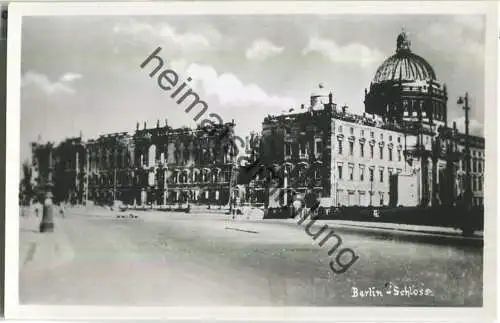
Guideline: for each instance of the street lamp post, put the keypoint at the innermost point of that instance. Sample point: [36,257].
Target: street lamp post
[468,192]
[47,224]
[466,226]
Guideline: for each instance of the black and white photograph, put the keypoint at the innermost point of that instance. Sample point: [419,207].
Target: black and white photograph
[192,156]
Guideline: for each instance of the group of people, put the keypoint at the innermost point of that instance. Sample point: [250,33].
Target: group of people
[306,206]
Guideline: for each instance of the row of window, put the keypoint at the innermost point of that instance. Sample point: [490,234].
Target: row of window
[125,179]
[372,134]
[477,183]
[304,148]
[361,173]
[390,154]
[477,165]
[124,161]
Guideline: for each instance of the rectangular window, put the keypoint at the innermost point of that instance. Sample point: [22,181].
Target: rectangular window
[340,147]
[399,154]
[381,175]
[381,137]
[352,130]
[361,173]
[362,149]
[302,149]
[288,149]
[390,154]
[371,175]
[372,134]
[362,133]
[381,152]
[480,184]
[474,183]
[371,152]
[390,138]
[339,169]
[474,165]
[399,140]
[319,147]
[351,173]
[340,129]
[351,148]
[480,166]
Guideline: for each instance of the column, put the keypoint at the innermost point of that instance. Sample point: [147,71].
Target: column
[165,173]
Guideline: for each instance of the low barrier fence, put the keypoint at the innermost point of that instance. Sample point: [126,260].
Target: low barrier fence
[432,216]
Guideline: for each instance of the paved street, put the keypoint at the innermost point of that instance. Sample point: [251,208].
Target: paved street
[177,259]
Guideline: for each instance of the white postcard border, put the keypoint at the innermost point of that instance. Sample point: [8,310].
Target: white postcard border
[15,311]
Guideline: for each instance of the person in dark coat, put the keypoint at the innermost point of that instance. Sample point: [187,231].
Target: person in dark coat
[311,202]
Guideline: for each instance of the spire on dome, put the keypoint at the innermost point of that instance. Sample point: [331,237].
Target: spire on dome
[403,42]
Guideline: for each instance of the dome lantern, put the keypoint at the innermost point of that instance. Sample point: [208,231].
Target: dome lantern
[403,43]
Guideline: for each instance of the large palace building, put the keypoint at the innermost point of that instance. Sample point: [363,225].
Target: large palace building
[401,152]
[158,166]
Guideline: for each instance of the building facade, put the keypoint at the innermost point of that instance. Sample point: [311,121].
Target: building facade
[159,166]
[401,152]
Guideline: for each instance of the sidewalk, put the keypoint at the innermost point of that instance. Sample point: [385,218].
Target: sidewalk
[38,251]
[387,231]
[426,229]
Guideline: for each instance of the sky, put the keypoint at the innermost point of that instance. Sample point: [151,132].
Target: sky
[81,74]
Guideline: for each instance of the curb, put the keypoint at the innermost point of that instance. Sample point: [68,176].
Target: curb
[393,234]
[410,235]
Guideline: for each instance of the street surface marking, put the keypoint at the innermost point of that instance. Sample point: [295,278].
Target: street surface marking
[31,253]
[235,229]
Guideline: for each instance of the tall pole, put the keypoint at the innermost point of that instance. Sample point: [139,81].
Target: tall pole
[466,227]
[468,191]
[47,224]
[77,172]
[87,170]
[114,184]
[372,174]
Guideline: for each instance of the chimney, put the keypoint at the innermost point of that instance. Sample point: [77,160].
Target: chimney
[157,123]
[166,122]
[330,99]
[137,126]
[454,126]
[344,109]
[302,106]
[144,125]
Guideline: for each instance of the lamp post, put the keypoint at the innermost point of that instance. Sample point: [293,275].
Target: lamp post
[468,192]
[47,224]
[467,229]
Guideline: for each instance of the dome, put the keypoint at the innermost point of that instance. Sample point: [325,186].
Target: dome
[404,65]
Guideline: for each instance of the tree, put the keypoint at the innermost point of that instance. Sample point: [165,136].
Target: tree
[26,189]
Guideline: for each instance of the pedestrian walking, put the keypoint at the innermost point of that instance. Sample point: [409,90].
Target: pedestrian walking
[61,210]
[310,201]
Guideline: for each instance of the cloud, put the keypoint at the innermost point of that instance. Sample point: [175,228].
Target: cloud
[446,38]
[231,91]
[354,53]
[472,22]
[42,82]
[475,127]
[167,33]
[70,77]
[262,49]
